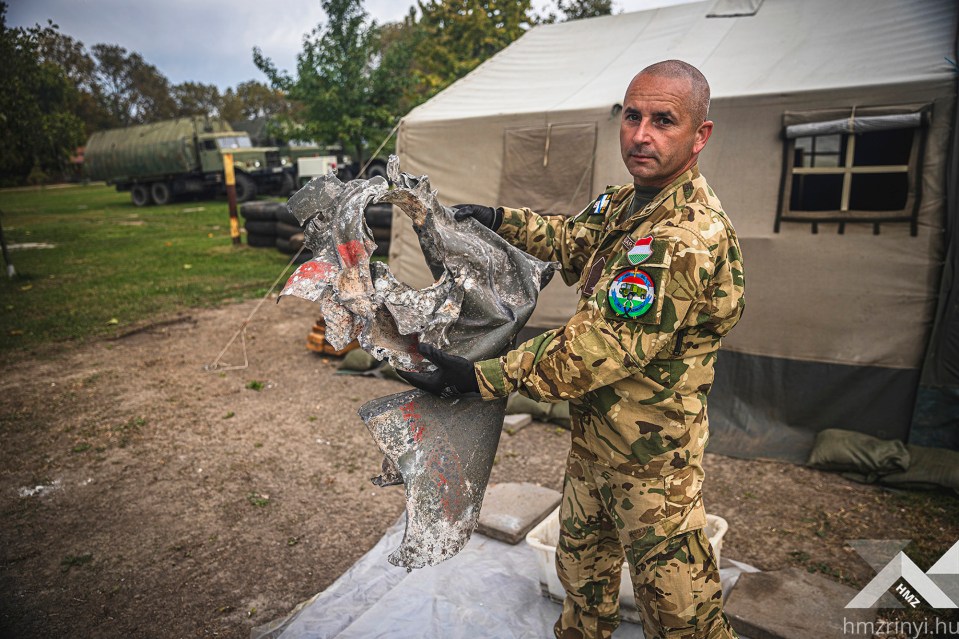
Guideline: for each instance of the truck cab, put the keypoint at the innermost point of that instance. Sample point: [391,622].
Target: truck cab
[258,168]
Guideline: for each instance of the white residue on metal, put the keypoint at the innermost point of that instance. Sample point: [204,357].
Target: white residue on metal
[351,291]
[437,539]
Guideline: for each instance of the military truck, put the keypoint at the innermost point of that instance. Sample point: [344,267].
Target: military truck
[259,130]
[164,160]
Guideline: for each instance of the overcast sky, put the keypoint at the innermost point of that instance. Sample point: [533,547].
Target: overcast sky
[211,41]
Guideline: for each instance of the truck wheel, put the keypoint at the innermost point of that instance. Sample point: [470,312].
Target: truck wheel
[377,169]
[161,193]
[245,188]
[139,194]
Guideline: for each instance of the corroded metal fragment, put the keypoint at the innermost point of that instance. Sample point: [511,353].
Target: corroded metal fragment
[442,450]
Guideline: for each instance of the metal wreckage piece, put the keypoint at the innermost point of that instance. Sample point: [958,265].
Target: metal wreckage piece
[441,449]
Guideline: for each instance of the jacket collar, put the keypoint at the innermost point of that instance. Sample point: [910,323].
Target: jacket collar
[681,188]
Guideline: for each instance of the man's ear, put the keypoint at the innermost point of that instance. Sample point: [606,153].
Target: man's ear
[702,135]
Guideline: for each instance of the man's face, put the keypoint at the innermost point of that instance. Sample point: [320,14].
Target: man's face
[658,135]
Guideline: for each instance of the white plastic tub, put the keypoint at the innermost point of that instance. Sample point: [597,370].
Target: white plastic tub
[545,535]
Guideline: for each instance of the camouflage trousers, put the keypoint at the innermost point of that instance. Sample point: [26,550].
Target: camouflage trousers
[656,525]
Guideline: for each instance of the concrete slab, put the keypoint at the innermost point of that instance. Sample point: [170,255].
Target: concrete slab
[512,424]
[510,510]
[794,604]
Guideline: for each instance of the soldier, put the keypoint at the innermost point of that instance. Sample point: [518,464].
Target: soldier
[660,275]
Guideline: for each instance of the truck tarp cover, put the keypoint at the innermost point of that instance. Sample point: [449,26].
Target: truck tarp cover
[441,449]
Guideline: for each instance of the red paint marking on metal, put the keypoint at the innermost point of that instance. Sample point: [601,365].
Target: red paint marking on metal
[416,430]
[312,270]
[448,477]
[351,252]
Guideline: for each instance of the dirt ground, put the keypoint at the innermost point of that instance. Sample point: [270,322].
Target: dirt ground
[143,496]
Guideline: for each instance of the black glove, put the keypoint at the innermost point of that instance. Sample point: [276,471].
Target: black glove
[487,216]
[453,375]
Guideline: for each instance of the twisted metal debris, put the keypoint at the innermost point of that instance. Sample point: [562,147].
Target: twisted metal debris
[441,449]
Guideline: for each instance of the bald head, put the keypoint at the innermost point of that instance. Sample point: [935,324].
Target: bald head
[664,125]
[698,87]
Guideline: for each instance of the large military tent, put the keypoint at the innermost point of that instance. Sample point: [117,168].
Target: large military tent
[835,129]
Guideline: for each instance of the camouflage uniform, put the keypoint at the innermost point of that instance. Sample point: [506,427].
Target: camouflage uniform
[637,382]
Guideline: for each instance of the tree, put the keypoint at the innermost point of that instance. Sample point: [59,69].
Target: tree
[577,10]
[260,101]
[195,98]
[38,128]
[78,66]
[230,107]
[458,35]
[133,91]
[349,85]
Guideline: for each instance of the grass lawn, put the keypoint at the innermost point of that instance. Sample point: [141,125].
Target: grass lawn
[114,265]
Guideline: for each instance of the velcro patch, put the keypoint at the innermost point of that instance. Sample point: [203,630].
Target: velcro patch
[640,250]
[632,293]
[601,204]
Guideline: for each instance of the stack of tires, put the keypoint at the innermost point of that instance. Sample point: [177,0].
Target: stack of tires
[379,217]
[271,225]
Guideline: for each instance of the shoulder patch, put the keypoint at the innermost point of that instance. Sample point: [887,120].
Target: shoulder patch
[601,204]
[632,293]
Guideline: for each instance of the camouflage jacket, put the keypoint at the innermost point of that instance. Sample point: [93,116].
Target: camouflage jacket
[658,290]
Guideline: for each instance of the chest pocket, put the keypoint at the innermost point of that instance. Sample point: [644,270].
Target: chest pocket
[633,286]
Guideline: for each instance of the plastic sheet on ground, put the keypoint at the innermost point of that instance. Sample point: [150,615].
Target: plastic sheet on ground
[489,590]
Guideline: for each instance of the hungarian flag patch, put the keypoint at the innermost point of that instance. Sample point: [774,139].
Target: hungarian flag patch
[640,251]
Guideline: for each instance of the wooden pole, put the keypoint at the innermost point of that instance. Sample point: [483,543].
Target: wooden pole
[230,179]
[11,272]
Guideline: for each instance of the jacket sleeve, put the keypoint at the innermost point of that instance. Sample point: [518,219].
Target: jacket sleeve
[598,347]
[553,238]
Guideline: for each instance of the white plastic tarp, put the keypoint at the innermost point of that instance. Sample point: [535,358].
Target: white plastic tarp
[490,590]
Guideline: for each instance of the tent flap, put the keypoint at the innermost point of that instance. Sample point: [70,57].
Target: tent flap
[548,168]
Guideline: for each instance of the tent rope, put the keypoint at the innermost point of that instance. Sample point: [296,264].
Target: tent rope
[241,332]
[379,148]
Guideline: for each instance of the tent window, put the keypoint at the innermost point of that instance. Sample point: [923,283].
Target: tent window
[847,171]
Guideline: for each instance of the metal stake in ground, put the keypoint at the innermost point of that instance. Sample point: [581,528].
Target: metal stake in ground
[230,179]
